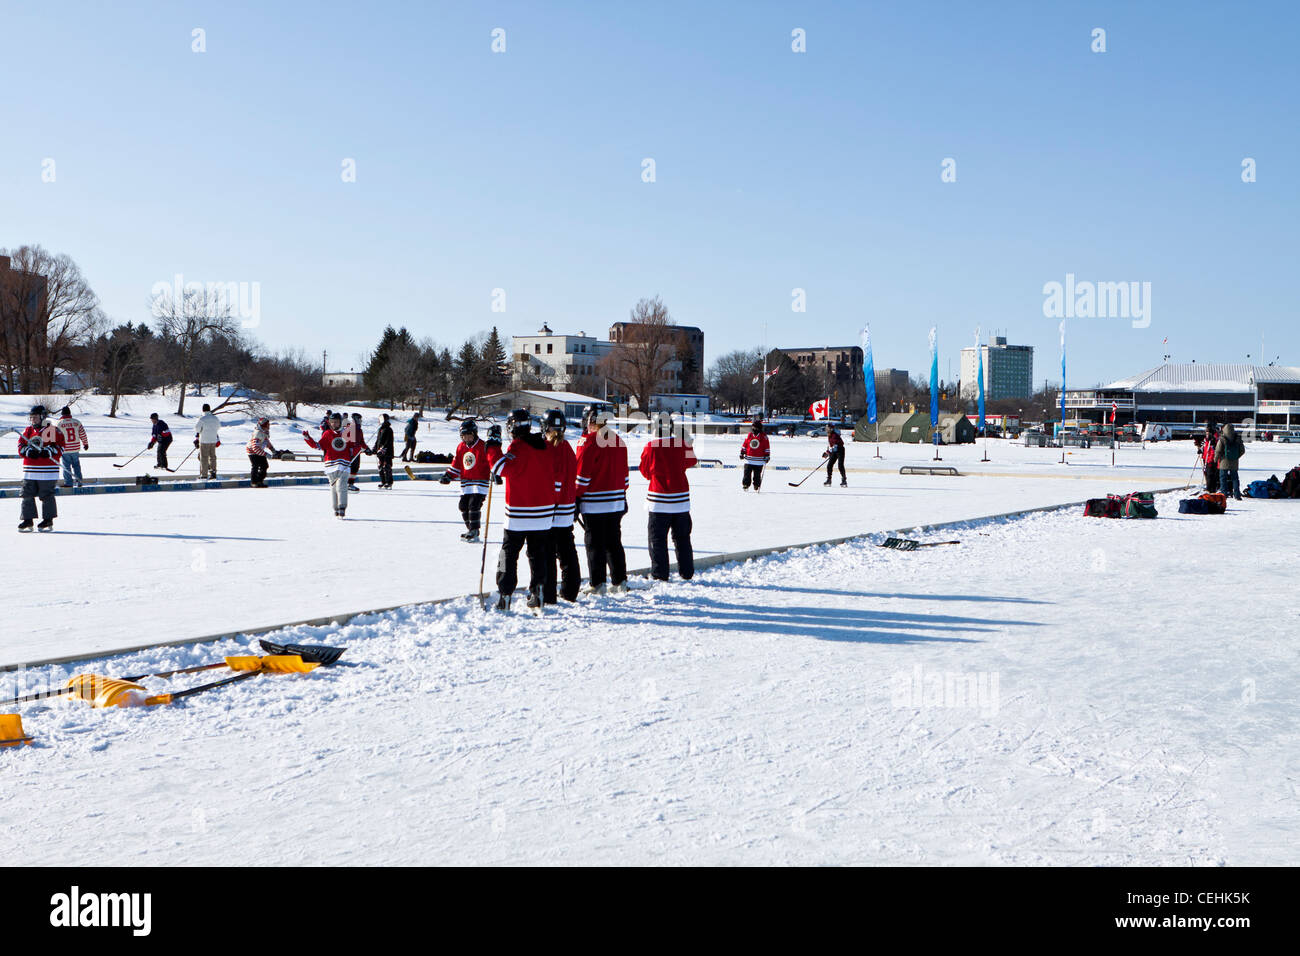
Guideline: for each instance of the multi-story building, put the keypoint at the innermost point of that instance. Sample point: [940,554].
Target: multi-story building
[837,369]
[891,379]
[689,365]
[1008,370]
[556,362]
[23,297]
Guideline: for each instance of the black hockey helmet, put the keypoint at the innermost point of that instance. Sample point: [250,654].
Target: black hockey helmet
[494,433]
[594,414]
[38,411]
[520,421]
[555,421]
[661,425]
[468,427]
[335,417]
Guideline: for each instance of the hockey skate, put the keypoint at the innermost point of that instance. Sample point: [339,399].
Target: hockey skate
[25,525]
[46,525]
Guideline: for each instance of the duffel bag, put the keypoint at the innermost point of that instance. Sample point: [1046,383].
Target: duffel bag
[1102,507]
[1216,502]
[1193,506]
[1139,505]
[1257,489]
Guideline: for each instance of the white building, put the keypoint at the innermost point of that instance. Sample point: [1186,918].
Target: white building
[1008,370]
[342,379]
[560,362]
[680,403]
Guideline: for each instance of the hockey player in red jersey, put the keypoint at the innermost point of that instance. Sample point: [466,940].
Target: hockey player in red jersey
[834,454]
[528,470]
[562,549]
[338,452]
[602,500]
[755,453]
[41,448]
[664,461]
[472,467]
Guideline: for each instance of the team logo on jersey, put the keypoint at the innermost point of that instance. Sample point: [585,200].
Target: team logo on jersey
[338,444]
[470,460]
[754,444]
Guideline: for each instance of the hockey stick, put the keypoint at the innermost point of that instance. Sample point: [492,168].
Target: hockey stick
[183,461]
[907,544]
[1195,465]
[796,484]
[133,458]
[482,568]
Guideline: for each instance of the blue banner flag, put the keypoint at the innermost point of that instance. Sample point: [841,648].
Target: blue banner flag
[979,359]
[1063,373]
[869,373]
[934,377]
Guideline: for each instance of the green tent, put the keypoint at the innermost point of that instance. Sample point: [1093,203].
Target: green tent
[955,428]
[897,426]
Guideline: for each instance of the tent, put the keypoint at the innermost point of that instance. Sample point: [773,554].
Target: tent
[955,428]
[897,426]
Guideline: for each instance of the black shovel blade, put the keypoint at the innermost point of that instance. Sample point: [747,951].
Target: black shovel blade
[310,653]
[900,544]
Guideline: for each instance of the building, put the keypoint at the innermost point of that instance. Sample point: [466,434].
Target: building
[342,379]
[561,362]
[538,403]
[680,403]
[23,298]
[1008,370]
[837,369]
[689,366]
[1189,395]
[891,379]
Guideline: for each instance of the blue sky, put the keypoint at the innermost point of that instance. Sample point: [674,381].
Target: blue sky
[774,170]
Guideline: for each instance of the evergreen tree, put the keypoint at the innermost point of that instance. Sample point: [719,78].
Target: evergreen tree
[495,362]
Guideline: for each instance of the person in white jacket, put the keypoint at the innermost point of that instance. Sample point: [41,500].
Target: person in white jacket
[207,438]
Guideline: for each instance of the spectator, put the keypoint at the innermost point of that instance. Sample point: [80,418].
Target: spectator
[207,439]
[408,453]
[257,448]
[384,452]
[74,440]
[1208,441]
[1227,453]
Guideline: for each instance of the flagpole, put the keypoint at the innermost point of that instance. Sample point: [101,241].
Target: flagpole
[764,371]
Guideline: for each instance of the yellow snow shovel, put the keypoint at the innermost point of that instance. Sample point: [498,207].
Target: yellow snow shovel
[11,731]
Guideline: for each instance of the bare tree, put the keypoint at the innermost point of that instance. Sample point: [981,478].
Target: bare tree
[730,381]
[199,315]
[639,363]
[48,317]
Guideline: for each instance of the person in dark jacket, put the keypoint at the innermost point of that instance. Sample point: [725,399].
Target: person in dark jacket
[355,467]
[834,455]
[162,437]
[1210,467]
[408,453]
[384,452]
[1227,452]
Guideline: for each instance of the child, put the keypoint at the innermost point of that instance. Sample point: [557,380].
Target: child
[472,467]
[257,448]
[338,453]
[755,453]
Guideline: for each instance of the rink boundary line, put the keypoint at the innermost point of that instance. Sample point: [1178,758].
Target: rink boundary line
[711,561]
[198,484]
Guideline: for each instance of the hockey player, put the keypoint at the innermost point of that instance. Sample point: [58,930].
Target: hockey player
[529,473]
[471,466]
[494,449]
[566,491]
[338,453]
[384,452]
[257,448]
[602,500]
[664,461]
[162,437]
[74,438]
[834,455]
[41,446]
[755,453]
[357,437]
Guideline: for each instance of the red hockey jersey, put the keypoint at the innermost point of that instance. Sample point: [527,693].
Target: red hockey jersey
[529,473]
[42,449]
[336,449]
[566,484]
[473,466]
[664,462]
[755,450]
[602,473]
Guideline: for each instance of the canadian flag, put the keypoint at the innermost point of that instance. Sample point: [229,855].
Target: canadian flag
[820,410]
